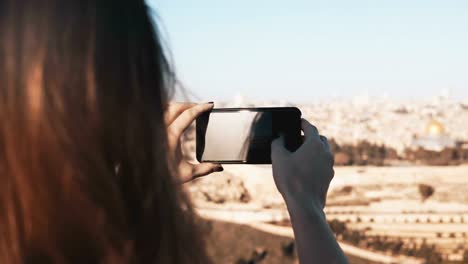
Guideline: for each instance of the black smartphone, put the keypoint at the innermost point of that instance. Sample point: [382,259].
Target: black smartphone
[244,135]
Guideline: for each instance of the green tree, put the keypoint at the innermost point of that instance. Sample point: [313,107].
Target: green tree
[426,191]
[465,256]
[337,226]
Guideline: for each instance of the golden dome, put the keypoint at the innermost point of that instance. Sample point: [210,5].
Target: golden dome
[435,128]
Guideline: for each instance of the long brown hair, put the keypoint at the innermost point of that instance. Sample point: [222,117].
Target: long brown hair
[83,171]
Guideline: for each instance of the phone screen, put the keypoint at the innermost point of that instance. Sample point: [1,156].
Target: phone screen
[244,136]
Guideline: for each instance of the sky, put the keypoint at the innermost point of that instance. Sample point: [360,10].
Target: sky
[301,50]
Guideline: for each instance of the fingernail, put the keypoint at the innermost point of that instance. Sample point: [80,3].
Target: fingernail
[219,168]
[210,102]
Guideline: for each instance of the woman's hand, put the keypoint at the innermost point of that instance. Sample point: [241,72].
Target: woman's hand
[178,118]
[306,173]
[303,178]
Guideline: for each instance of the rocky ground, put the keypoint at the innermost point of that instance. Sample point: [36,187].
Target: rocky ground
[232,194]
[230,243]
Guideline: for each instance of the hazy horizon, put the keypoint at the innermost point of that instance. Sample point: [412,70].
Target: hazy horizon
[309,50]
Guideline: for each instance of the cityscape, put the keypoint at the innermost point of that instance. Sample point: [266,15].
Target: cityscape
[400,192]
[384,81]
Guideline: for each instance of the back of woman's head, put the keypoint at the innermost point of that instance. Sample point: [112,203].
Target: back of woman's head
[83,171]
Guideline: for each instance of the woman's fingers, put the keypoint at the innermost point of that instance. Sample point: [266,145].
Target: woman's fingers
[204,169]
[183,121]
[188,171]
[329,153]
[178,117]
[174,110]
[325,143]
[310,131]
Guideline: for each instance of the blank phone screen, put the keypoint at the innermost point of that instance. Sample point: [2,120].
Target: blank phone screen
[237,136]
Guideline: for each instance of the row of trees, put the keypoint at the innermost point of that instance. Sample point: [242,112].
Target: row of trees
[365,153]
[395,246]
[448,156]
[361,154]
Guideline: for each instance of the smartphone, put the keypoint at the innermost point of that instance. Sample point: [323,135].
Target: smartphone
[244,135]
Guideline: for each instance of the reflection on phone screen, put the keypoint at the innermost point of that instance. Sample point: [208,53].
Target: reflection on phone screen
[238,136]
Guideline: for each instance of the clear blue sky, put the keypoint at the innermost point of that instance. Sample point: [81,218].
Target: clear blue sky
[298,50]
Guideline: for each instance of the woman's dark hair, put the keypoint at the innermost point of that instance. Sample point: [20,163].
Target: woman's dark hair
[84,176]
